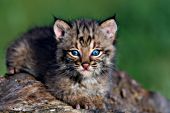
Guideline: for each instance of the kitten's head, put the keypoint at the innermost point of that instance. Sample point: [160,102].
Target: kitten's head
[85,47]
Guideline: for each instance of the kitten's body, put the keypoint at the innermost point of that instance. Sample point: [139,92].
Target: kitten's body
[84,54]
[32,53]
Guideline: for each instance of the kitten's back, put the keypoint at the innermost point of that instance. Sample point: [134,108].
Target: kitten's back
[32,52]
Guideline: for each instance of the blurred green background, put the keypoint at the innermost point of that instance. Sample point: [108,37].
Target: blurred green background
[143,37]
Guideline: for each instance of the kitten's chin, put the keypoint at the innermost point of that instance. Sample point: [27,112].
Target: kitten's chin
[86,73]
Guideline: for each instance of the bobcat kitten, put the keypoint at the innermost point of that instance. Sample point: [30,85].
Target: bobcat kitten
[83,54]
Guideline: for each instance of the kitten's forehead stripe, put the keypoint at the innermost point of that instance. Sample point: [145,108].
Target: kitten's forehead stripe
[76,45]
[85,31]
[81,40]
[77,30]
[94,45]
[89,40]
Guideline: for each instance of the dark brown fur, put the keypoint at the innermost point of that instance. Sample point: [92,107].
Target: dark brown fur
[32,53]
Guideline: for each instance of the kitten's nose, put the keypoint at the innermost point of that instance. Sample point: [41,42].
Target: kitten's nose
[85,65]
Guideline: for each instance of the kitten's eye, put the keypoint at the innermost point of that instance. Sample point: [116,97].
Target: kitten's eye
[95,52]
[75,53]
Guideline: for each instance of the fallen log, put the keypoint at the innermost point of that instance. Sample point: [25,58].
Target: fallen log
[23,93]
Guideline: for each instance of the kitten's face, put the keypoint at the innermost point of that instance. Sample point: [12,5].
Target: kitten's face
[86,48]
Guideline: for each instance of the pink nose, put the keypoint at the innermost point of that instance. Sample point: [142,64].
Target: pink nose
[85,65]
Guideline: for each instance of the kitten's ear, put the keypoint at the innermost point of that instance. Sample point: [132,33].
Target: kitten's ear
[60,28]
[109,28]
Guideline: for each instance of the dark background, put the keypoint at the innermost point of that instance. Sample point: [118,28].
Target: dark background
[143,36]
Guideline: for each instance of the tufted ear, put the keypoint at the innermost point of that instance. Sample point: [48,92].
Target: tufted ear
[109,28]
[60,28]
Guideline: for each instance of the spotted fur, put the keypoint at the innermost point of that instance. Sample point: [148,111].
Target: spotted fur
[79,79]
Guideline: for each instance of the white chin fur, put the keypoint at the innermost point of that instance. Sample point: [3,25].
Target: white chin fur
[86,73]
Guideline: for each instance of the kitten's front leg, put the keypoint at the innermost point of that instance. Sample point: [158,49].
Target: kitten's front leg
[86,102]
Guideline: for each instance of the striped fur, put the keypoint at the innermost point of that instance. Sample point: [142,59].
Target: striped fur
[67,79]
[46,54]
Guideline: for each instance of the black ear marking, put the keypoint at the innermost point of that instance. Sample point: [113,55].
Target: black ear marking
[55,18]
[108,18]
[114,17]
[58,18]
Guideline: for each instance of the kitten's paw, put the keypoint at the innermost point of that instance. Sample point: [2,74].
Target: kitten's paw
[2,79]
[91,107]
[78,106]
[86,106]
[12,70]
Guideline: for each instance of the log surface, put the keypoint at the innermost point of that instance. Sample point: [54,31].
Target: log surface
[23,93]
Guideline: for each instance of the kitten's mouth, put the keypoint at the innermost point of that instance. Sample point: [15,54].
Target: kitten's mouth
[85,70]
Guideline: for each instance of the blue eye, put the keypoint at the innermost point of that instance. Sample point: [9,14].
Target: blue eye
[95,52]
[75,53]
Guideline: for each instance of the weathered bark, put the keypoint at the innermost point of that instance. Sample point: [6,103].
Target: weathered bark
[22,93]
